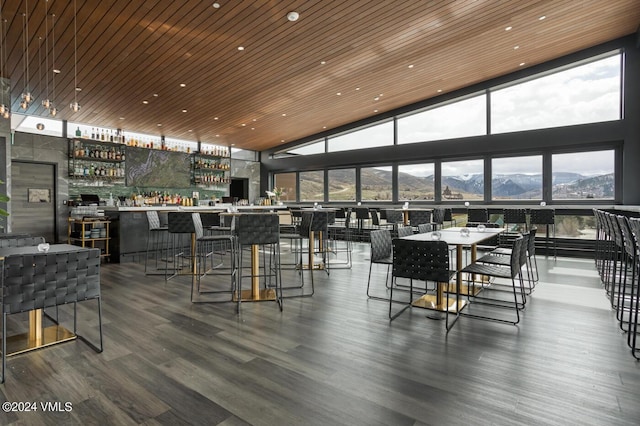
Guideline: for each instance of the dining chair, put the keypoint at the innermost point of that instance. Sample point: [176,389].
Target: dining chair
[381,254]
[427,261]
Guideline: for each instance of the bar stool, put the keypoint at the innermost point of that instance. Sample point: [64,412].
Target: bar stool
[419,217]
[179,225]
[156,240]
[320,233]
[515,223]
[205,246]
[546,217]
[362,214]
[260,230]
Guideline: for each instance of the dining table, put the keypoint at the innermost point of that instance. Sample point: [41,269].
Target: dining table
[37,336]
[461,238]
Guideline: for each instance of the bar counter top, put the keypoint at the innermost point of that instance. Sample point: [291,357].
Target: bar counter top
[217,207]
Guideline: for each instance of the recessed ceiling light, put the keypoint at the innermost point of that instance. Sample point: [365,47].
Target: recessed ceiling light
[338,93]
[159,124]
[284,115]
[255,119]
[324,127]
[183,85]
[522,63]
[145,102]
[541,18]
[215,118]
[410,66]
[357,88]
[293,16]
[155,95]
[184,110]
[78,89]
[216,5]
[243,124]
[439,90]
[377,98]
[516,47]
[240,48]
[121,118]
[508,28]
[56,71]
[233,144]
[190,130]
[322,62]
[281,140]
[375,110]
[253,128]
[217,136]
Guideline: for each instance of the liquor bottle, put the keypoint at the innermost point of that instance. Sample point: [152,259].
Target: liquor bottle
[93,133]
[78,132]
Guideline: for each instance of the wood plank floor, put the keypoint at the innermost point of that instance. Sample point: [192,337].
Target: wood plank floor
[333,359]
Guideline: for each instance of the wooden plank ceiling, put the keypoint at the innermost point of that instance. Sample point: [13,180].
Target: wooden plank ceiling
[293,79]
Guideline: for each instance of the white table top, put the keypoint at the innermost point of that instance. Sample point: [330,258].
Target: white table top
[453,235]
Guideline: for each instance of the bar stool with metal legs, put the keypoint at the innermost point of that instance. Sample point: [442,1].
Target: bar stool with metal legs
[156,241]
[546,218]
[180,242]
[205,247]
[260,231]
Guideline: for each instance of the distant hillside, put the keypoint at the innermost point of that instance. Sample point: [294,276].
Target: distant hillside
[376,185]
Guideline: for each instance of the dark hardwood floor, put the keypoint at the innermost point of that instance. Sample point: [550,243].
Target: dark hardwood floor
[333,359]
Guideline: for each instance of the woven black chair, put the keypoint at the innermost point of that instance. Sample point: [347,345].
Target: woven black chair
[341,241]
[157,235]
[423,261]
[181,229]
[20,241]
[404,231]
[512,272]
[381,254]
[362,216]
[477,216]
[624,304]
[448,217]
[320,246]
[515,224]
[206,247]
[634,293]
[45,280]
[261,230]
[546,218]
[394,218]
[438,218]
[423,228]
[297,246]
[419,217]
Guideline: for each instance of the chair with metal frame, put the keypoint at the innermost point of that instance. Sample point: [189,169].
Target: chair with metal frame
[180,224]
[419,217]
[381,254]
[404,231]
[260,229]
[156,241]
[511,272]
[634,296]
[628,280]
[46,280]
[515,224]
[205,247]
[337,234]
[477,216]
[426,261]
[546,218]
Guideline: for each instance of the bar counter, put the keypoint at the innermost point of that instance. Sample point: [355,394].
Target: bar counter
[129,226]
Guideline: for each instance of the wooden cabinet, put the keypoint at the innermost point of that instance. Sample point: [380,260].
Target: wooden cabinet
[90,232]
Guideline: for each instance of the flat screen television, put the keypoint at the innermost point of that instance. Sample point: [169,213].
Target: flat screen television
[155,168]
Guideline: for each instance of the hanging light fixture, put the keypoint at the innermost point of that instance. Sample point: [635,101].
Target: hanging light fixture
[46,102]
[26,94]
[75,106]
[53,111]
[4,108]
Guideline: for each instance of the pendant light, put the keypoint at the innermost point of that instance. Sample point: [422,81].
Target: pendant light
[46,102]
[4,108]
[53,111]
[75,106]
[26,94]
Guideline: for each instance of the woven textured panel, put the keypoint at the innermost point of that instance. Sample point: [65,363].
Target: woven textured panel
[305,225]
[404,231]
[515,216]
[43,280]
[21,242]
[210,219]
[258,228]
[153,219]
[320,221]
[416,217]
[375,219]
[531,243]
[362,212]
[425,227]
[543,216]
[381,247]
[394,216]
[438,216]
[197,225]
[477,215]
[181,223]
[421,260]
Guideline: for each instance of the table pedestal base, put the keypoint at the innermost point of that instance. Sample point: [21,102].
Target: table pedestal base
[429,301]
[21,343]
[262,295]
